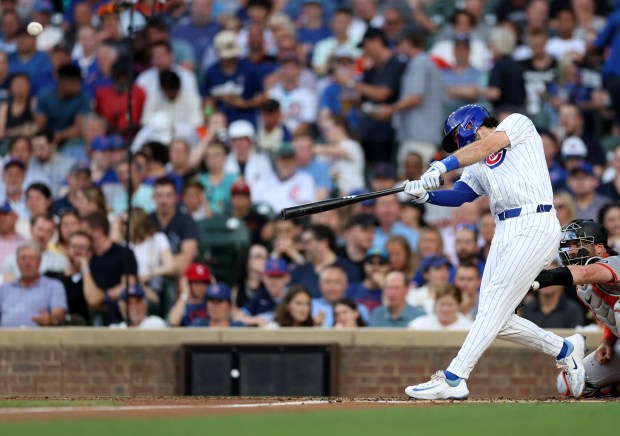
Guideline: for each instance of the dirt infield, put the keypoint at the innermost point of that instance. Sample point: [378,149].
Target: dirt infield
[57,408]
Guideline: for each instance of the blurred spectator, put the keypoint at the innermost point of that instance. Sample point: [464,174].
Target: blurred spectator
[462,22]
[552,309]
[506,83]
[295,310]
[10,29]
[346,314]
[38,199]
[395,312]
[611,189]
[379,85]
[244,159]
[609,217]
[102,171]
[134,308]
[79,250]
[462,80]
[219,308]
[358,236]
[59,108]
[259,310]
[68,224]
[89,200]
[26,58]
[466,245]
[47,163]
[571,124]
[400,256]
[216,182]
[195,203]
[271,130]
[583,182]
[16,113]
[382,176]
[255,218]
[108,271]
[286,243]
[325,48]
[369,293]
[232,85]
[156,155]
[307,163]
[540,71]
[198,29]
[179,165]
[142,193]
[33,300]
[312,27]
[336,98]
[59,55]
[343,154]
[101,71]
[261,47]
[179,227]
[9,238]
[565,43]
[170,98]
[84,52]
[420,100]
[319,245]
[298,103]
[487,230]
[565,208]
[190,308]
[151,249]
[250,279]
[162,59]
[574,152]
[551,148]
[77,179]
[387,212]
[589,21]
[436,272]
[183,52]
[608,39]
[4,75]
[13,176]
[446,315]
[288,49]
[287,185]
[111,100]
[333,286]
[467,279]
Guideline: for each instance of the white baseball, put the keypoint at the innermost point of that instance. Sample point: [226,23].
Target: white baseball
[34,28]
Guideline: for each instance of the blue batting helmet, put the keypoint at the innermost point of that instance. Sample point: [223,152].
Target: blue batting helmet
[467,119]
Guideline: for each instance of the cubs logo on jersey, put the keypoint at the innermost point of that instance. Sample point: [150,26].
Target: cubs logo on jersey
[495,159]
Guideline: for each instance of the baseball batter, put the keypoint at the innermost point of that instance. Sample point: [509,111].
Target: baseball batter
[592,265]
[506,162]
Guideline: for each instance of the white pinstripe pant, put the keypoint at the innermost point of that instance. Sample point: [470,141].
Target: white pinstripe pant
[521,248]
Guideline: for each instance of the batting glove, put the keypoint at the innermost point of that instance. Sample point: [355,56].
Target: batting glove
[431,179]
[415,189]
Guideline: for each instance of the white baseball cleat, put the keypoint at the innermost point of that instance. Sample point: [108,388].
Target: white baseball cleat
[572,365]
[439,388]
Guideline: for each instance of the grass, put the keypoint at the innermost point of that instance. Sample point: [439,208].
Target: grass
[6,403]
[452,419]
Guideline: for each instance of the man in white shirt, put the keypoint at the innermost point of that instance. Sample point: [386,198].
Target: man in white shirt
[565,44]
[243,158]
[286,186]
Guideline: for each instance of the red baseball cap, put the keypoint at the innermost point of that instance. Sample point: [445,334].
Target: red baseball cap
[240,187]
[198,272]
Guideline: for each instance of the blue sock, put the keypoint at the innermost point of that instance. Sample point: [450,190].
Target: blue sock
[451,376]
[567,348]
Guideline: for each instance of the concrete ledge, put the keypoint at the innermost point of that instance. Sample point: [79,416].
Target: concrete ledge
[176,336]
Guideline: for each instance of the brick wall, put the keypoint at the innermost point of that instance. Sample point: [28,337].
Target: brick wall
[66,363]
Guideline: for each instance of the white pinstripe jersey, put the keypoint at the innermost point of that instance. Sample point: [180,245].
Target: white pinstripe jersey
[517,175]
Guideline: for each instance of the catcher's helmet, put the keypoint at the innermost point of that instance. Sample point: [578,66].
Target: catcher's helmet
[467,119]
[585,233]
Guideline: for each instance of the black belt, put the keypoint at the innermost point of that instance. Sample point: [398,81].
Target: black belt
[513,213]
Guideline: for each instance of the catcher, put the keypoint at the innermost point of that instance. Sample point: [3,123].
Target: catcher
[590,264]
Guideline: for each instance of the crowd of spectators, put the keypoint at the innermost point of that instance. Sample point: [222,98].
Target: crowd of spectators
[240,108]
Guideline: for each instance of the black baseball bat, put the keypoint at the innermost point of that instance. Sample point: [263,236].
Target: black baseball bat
[334,203]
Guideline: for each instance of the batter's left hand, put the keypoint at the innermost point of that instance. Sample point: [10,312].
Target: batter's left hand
[415,189]
[432,178]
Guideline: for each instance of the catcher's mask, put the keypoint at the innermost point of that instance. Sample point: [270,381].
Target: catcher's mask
[578,240]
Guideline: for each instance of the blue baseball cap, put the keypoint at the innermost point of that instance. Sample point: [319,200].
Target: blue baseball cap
[367,203]
[116,142]
[15,163]
[219,291]
[376,252]
[44,6]
[100,143]
[434,261]
[6,207]
[582,167]
[133,291]
[276,268]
